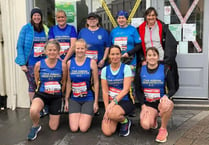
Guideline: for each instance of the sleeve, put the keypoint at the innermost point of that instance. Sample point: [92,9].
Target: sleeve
[128,71]
[138,88]
[138,51]
[51,34]
[20,59]
[103,73]
[80,34]
[107,39]
[137,38]
[73,33]
[111,38]
[170,46]
[170,82]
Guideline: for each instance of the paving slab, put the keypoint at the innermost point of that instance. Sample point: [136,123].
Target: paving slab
[15,125]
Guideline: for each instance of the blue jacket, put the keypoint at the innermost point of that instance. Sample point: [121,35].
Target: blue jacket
[25,43]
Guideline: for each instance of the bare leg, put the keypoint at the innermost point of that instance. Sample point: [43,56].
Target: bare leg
[147,117]
[54,121]
[36,106]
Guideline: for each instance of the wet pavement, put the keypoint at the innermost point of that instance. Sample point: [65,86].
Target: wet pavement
[188,126]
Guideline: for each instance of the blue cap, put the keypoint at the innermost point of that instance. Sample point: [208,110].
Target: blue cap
[122,13]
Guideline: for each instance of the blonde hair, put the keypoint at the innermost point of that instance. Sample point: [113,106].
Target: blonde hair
[61,11]
[80,41]
[54,42]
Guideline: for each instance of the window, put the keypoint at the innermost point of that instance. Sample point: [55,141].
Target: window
[79,10]
[191,33]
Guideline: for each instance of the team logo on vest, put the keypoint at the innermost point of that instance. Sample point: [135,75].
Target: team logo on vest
[99,37]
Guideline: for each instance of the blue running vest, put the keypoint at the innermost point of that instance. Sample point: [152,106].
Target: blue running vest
[50,78]
[115,82]
[153,84]
[81,81]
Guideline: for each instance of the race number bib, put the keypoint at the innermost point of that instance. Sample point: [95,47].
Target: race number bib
[113,93]
[64,47]
[38,49]
[79,89]
[93,54]
[122,42]
[52,87]
[152,94]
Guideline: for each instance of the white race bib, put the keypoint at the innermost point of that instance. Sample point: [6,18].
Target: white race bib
[79,89]
[113,93]
[122,42]
[64,47]
[38,49]
[93,54]
[152,94]
[52,87]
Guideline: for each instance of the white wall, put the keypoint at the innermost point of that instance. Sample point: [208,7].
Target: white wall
[15,85]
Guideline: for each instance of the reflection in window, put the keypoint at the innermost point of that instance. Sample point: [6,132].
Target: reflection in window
[196,17]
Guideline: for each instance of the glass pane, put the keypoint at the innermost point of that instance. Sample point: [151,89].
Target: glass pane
[195,17]
[83,7]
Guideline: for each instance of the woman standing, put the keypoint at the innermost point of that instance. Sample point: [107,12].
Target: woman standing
[50,77]
[83,102]
[30,47]
[97,40]
[150,82]
[116,82]
[125,36]
[65,34]
[155,33]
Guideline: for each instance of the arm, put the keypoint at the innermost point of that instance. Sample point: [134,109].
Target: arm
[135,49]
[20,59]
[138,88]
[68,87]
[96,84]
[71,49]
[170,83]
[170,46]
[51,34]
[126,88]
[36,72]
[64,75]
[128,76]
[105,92]
[104,84]
[101,63]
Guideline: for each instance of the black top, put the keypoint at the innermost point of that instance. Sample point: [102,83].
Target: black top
[169,81]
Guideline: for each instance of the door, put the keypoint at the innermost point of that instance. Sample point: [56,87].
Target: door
[189,20]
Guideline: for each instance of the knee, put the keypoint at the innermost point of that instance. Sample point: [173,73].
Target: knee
[84,129]
[74,129]
[34,111]
[145,125]
[106,133]
[166,107]
[113,115]
[53,127]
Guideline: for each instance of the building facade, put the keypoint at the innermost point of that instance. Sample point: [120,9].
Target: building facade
[188,20]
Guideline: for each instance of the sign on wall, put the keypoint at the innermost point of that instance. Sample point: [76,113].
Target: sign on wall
[69,6]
